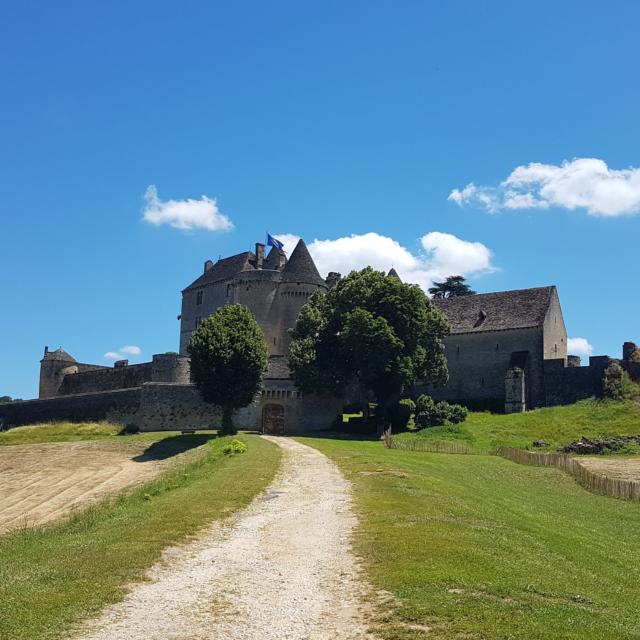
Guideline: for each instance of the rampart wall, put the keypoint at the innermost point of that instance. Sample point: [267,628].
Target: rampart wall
[106,379]
[157,406]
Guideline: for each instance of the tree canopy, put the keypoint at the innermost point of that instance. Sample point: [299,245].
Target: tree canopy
[371,329]
[228,356]
[452,287]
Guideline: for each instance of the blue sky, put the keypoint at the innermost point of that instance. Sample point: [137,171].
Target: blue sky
[321,120]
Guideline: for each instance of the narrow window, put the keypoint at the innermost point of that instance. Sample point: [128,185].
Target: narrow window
[497,347]
[199,297]
[274,339]
[198,321]
[229,289]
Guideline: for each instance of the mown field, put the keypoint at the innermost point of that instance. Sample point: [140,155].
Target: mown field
[54,576]
[474,546]
[557,426]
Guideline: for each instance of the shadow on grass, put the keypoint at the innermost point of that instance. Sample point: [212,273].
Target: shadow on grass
[172,446]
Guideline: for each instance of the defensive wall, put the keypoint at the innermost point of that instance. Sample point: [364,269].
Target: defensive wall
[160,406]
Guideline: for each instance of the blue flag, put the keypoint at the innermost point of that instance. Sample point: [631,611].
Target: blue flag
[274,242]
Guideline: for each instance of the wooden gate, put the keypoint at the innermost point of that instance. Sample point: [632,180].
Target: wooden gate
[273,419]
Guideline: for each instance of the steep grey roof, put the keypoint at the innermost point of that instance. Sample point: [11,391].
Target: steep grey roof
[273,259]
[225,269]
[517,309]
[394,273]
[301,267]
[278,368]
[59,354]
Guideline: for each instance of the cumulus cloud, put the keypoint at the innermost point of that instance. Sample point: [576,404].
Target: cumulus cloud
[579,347]
[184,214]
[442,255]
[124,352]
[581,183]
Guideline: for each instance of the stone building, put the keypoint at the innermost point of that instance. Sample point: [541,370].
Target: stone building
[507,351]
[494,332]
[274,288]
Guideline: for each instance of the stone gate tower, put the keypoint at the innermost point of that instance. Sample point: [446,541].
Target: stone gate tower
[274,288]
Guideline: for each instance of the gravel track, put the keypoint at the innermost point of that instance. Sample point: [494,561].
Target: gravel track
[281,568]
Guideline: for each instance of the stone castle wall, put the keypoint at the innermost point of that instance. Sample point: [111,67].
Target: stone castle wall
[478,364]
[60,378]
[106,379]
[157,406]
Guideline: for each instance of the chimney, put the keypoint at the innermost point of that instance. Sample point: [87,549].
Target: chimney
[208,265]
[259,255]
[46,350]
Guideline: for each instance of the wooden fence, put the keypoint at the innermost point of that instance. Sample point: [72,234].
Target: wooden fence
[595,482]
[430,446]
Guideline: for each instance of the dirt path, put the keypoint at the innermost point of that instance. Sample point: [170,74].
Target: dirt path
[43,482]
[282,568]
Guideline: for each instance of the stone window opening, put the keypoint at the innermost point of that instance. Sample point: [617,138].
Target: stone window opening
[458,349]
[497,346]
[229,290]
[199,295]
[274,339]
[482,381]
[198,321]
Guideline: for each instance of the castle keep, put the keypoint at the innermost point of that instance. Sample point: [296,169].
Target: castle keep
[506,351]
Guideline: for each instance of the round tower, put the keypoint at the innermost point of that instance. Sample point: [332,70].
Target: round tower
[54,366]
[300,280]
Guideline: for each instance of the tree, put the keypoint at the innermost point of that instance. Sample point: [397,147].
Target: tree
[452,287]
[5,399]
[228,356]
[370,329]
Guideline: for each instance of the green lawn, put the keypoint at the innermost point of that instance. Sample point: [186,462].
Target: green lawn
[479,547]
[55,576]
[59,432]
[557,426]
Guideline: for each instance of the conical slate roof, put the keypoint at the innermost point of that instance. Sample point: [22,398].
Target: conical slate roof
[393,273]
[59,354]
[301,267]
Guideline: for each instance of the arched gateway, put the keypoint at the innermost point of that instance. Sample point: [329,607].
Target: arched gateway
[273,419]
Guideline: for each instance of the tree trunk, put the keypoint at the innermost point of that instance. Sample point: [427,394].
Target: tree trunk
[228,428]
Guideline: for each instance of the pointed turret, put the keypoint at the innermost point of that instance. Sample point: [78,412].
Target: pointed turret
[301,267]
[393,274]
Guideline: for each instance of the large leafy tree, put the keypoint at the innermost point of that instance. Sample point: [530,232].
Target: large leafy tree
[228,356]
[370,329]
[452,287]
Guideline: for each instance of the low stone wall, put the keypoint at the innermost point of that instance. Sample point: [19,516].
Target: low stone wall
[156,406]
[120,407]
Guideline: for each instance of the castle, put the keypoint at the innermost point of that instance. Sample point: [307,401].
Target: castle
[506,351]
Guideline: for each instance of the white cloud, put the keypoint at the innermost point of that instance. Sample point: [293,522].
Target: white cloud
[124,352]
[579,347]
[581,183]
[131,350]
[184,214]
[443,255]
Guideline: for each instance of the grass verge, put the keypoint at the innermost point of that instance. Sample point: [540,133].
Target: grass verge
[480,547]
[557,426]
[56,576]
[59,432]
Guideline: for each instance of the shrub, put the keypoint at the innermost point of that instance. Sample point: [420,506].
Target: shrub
[615,382]
[635,356]
[432,414]
[233,447]
[399,414]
